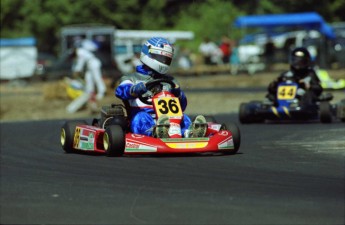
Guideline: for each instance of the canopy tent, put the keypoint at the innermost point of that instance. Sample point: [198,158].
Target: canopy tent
[308,20]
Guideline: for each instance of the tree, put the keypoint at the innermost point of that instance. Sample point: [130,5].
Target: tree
[43,19]
[212,18]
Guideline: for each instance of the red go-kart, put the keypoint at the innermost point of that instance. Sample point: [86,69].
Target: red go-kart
[111,133]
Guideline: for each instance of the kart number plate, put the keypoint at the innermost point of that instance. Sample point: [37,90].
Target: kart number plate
[169,106]
[286,92]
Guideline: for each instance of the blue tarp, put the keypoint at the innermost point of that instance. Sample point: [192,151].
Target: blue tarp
[308,20]
[27,41]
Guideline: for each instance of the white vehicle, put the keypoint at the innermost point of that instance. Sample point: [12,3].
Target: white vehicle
[249,57]
[18,58]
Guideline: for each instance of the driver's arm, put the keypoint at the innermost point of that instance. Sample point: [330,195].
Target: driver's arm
[129,88]
[123,91]
[183,101]
[134,91]
[128,91]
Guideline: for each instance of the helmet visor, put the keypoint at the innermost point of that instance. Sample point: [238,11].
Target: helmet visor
[161,58]
[299,62]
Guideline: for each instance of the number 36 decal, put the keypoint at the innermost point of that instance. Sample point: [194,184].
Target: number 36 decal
[168,106]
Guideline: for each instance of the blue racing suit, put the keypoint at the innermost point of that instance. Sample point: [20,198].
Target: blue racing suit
[141,115]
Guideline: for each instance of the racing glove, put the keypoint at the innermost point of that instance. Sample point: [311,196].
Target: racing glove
[138,89]
[176,91]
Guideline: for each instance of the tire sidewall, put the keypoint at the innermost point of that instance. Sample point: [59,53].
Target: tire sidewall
[116,136]
[325,112]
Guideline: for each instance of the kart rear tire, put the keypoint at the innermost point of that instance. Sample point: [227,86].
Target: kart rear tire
[114,140]
[67,134]
[341,110]
[236,136]
[325,112]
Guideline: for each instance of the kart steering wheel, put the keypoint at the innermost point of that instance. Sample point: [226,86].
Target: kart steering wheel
[150,86]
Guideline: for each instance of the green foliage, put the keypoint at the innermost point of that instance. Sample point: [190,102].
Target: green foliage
[153,15]
[212,19]
[268,7]
[43,19]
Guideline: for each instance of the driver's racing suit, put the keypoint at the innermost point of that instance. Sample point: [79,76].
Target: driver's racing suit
[141,115]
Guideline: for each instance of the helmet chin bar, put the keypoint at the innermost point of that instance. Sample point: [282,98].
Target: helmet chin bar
[154,64]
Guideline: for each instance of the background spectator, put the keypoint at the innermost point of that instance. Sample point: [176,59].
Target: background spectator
[225,47]
[85,59]
[234,59]
[210,52]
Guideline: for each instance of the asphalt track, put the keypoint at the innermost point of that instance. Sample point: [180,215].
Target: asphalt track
[283,174]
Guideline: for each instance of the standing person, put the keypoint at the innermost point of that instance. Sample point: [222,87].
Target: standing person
[156,56]
[84,58]
[225,47]
[234,59]
[302,72]
[210,52]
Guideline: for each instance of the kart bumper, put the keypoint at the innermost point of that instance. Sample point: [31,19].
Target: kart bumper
[139,144]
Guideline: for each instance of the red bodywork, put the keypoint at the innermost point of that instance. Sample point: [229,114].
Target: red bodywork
[90,138]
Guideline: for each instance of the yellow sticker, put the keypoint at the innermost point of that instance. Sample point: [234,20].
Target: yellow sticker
[187,145]
[286,92]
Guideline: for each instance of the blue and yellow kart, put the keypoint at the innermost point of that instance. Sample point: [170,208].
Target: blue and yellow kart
[287,107]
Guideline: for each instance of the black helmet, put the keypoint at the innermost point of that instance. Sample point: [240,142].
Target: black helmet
[300,59]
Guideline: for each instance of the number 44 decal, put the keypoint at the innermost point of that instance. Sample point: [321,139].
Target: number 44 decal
[286,92]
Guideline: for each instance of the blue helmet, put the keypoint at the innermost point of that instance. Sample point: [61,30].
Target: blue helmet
[157,53]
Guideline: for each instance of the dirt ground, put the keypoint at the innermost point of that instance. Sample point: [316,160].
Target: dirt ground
[37,100]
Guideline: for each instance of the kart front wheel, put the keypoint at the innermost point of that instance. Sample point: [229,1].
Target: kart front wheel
[114,140]
[325,112]
[67,134]
[247,112]
[236,135]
